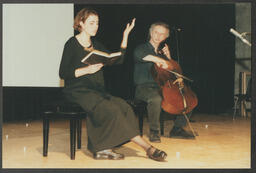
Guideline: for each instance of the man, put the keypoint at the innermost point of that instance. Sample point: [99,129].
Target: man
[147,89]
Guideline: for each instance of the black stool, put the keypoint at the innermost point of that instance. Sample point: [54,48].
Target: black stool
[139,108]
[164,116]
[68,110]
[242,98]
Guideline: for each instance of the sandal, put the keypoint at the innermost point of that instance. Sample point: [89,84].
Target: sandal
[107,154]
[157,155]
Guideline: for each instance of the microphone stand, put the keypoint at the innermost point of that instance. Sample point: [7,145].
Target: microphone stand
[246,42]
[177,45]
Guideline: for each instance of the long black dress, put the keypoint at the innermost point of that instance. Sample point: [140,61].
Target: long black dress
[111,121]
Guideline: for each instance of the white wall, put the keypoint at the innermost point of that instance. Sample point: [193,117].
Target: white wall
[242,51]
[33,39]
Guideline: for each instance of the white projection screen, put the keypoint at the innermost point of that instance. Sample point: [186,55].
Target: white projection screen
[33,39]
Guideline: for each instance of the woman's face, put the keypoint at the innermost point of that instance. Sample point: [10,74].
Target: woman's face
[90,25]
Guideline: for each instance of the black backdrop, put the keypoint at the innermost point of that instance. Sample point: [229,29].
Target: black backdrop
[206,48]
[206,54]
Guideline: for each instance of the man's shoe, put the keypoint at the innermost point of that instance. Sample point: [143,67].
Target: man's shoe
[180,133]
[154,136]
[108,154]
[190,132]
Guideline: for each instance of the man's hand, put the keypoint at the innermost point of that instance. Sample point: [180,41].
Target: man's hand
[158,61]
[166,51]
[162,64]
[180,81]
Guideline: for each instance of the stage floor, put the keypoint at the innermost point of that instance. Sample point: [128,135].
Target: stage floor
[222,143]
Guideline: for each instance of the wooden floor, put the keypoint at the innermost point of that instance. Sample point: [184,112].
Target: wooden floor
[222,143]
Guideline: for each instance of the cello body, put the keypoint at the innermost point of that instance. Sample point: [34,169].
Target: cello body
[176,99]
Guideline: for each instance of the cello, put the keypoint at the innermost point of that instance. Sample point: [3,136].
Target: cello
[177,98]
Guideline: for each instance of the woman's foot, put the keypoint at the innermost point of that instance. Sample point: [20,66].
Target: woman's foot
[156,154]
[108,154]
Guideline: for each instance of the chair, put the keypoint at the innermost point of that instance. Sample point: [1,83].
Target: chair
[242,99]
[60,109]
[163,117]
[140,109]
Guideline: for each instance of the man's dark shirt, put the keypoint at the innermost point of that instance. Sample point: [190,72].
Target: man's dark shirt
[142,69]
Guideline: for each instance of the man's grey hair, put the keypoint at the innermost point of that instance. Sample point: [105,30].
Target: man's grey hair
[153,25]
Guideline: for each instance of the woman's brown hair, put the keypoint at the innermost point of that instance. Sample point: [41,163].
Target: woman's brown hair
[82,15]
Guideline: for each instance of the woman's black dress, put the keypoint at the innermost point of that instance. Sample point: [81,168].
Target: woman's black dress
[111,121]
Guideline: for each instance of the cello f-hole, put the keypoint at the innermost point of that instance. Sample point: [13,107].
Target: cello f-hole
[169,84]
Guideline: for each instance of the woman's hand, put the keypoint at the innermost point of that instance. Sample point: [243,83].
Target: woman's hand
[129,27]
[90,69]
[126,33]
[94,68]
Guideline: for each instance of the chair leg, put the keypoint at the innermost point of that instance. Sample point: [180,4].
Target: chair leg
[162,125]
[140,116]
[45,136]
[235,106]
[72,138]
[245,108]
[79,133]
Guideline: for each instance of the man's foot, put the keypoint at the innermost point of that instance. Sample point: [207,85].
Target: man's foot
[180,133]
[156,154]
[108,154]
[154,136]
[189,131]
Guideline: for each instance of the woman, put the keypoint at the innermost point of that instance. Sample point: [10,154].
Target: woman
[111,121]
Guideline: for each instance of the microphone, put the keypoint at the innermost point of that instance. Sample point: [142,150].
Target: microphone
[239,36]
[176,29]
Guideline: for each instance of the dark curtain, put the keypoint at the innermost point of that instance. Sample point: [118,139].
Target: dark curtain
[203,46]
[26,103]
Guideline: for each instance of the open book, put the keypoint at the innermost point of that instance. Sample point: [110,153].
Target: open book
[96,56]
